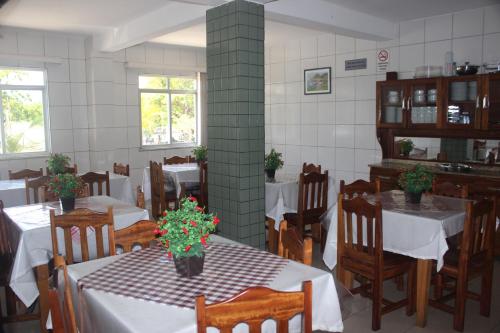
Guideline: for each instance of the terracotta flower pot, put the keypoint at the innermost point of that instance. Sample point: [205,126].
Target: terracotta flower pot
[189,266]
[67,204]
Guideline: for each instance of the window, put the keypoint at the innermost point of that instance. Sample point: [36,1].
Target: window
[169,110]
[23,111]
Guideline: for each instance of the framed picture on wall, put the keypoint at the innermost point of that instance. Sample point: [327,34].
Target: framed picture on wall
[317,81]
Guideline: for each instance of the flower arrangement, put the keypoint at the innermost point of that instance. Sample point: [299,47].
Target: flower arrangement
[57,163]
[419,179]
[406,146]
[200,153]
[273,160]
[66,185]
[185,232]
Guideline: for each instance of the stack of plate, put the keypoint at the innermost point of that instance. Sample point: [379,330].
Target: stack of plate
[472,88]
[432,95]
[459,91]
[393,97]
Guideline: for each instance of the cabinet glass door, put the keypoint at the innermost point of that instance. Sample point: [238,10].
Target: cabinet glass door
[491,102]
[423,103]
[463,102]
[392,105]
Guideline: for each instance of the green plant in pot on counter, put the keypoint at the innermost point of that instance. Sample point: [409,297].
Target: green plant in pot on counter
[406,146]
[66,187]
[272,163]
[416,181]
[200,153]
[57,163]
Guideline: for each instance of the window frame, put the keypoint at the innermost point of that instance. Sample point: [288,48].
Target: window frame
[170,92]
[46,113]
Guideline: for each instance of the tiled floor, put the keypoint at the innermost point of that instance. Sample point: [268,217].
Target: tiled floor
[357,313]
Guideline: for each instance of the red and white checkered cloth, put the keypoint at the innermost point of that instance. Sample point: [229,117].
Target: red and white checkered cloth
[144,274]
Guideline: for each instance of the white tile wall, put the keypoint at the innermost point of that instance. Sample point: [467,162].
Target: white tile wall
[344,121]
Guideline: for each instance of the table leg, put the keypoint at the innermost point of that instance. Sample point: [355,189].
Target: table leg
[42,277]
[423,281]
[272,235]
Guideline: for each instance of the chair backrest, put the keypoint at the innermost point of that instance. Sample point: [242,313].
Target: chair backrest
[449,189]
[291,245]
[140,199]
[99,178]
[478,238]
[5,247]
[359,188]
[313,194]
[177,160]
[73,170]
[481,190]
[34,184]
[121,169]
[308,168]
[204,184]
[255,305]
[140,233]
[47,196]
[365,251]
[61,306]
[25,173]
[81,219]
[158,203]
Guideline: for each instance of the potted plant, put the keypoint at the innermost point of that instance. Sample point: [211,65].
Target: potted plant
[200,153]
[272,162]
[406,146]
[184,233]
[57,163]
[416,181]
[66,186]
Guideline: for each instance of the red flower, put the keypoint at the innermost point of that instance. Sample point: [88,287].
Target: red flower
[185,231]
[157,231]
[203,241]
[169,254]
[167,243]
[192,199]
[187,248]
[198,208]
[216,220]
[163,232]
[193,223]
[164,213]
[184,221]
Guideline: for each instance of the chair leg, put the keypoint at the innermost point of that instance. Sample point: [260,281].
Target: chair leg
[11,301]
[438,286]
[485,297]
[324,234]
[411,290]
[377,305]
[459,315]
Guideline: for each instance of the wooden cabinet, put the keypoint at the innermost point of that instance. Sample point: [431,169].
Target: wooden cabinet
[462,102]
[490,102]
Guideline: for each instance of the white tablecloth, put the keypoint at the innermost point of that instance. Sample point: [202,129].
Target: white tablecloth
[30,232]
[105,312]
[12,192]
[417,231]
[282,197]
[179,173]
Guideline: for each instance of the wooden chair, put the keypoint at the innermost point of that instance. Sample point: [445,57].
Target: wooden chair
[73,170]
[370,260]
[61,308]
[177,160]
[292,246]
[255,305]
[140,233]
[82,219]
[99,178]
[25,173]
[34,184]
[359,188]
[448,189]
[121,169]
[473,259]
[161,197]
[312,204]
[140,199]
[203,184]
[47,196]
[308,168]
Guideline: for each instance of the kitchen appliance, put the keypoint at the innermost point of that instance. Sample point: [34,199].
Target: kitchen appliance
[467,69]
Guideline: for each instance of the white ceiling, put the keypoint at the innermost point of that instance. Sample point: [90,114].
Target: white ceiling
[196,36]
[403,10]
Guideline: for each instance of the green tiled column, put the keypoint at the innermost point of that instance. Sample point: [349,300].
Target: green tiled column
[235,69]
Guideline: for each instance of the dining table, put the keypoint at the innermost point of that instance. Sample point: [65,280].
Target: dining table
[13,192]
[174,175]
[141,291]
[30,236]
[414,230]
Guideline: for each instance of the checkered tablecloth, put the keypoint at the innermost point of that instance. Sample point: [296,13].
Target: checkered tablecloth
[148,275]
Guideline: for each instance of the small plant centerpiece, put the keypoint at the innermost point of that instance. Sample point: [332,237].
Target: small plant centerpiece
[185,233]
[416,181]
[272,163]
[66,187]
[406,146]
[57,163]
[200,153]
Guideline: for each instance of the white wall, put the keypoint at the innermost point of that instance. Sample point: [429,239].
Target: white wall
[338,130]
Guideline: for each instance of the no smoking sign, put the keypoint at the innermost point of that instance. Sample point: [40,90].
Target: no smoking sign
[382,60]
